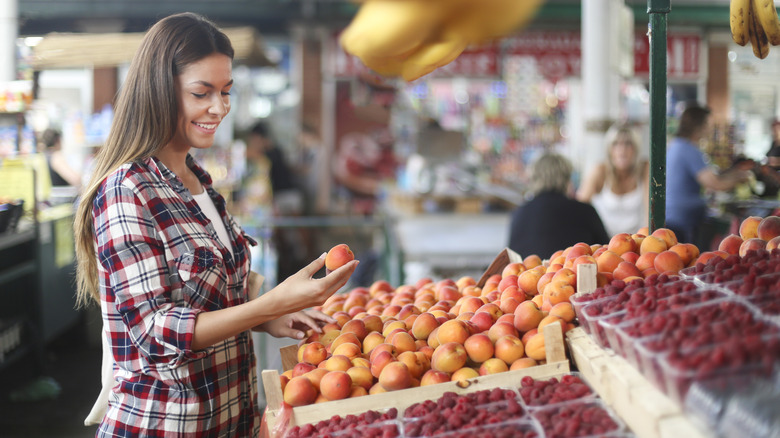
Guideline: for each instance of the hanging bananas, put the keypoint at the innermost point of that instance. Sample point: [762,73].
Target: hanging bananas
[755,22]
[411,38]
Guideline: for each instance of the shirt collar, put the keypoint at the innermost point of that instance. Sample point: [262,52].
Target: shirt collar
[166,174]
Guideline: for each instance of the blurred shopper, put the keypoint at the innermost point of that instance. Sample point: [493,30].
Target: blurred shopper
[60,171]
[618,187]
[773,155]
[552,220]
[688,172]
[169,265]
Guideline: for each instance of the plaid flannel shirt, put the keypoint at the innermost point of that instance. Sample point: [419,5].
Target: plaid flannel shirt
[160,264]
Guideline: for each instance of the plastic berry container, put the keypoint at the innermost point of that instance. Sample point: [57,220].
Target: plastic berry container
[753,414]
[706,400]
[754,286]
[544,393]
[754,356]
[523,427]
[382,429]
[442,422]
[588,418]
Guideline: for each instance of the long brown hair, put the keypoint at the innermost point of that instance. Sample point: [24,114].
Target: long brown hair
[145,117]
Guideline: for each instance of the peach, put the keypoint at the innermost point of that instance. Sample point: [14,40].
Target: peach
[416,364]
[512,292]
[581,260]
[748,228]
[424,325]
[376,389]
[389,348]
[449,357]
[667,235]
[773,243]
[409,321]
[392,324]
[768,228]
[380,361]
[315,376]
[361,362]
[464,373]
[379,286]
[564,311]
[598,250]
[509,348]
[492,308]
[630,256]
[532,261]
[522,363]
[514,268]
[621,242]
[493,365]
[558,292]
[652,244]
[534,348]
[608,261]
[707,255]
[551,319]
[527,316]
[687,252]
[406,311]
[638,239]
[452,331]
[299,391]
[471,291]
[527,281]
[336,385]
[508,305]
[625,270]
[464,316]
[544,280]
[357,391]
[361,376]
[338,363]
[313,353]
[432,377]
[538,300]
[508,280]
[345,338]
[341,317]
[348,349]
[668,262]
[302,368]
[646,260]
[483,321]
[338,256]
[479,347]
[471,304]
[283,381]
[433,338]
[395,376]
[354,300]
[751,245]
[356,327]
[403,341]
[372,340]
[731,244]
[464,281]
[500,329]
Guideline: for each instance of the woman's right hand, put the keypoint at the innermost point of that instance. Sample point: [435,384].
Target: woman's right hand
[301,290]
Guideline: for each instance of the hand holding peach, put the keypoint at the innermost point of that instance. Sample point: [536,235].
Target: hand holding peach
[337,257]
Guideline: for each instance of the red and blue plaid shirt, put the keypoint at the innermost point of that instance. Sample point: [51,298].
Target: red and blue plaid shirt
[160,264]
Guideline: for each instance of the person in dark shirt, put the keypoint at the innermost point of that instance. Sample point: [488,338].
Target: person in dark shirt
[552,220]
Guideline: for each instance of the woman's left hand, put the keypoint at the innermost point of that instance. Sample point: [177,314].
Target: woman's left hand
[294,325]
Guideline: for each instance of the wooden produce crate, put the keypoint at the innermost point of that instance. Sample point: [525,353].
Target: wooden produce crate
[556,366]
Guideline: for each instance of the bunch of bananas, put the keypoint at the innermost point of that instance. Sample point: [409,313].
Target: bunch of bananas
[757,22]
[411,38]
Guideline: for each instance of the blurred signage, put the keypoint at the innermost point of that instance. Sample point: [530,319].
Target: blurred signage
[683,55]
[558,53]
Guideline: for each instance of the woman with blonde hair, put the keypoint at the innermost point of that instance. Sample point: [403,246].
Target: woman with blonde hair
[168,264]
[552,220]
[618,187]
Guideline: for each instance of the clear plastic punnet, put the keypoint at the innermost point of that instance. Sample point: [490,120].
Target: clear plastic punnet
[753,414]
[543,393]
[706,400]
[586,418]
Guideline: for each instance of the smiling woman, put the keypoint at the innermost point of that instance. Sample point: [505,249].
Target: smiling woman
[157,248]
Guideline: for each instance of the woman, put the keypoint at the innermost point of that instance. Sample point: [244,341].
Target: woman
[168,264]
[551,220]
[618,187]
[60,172]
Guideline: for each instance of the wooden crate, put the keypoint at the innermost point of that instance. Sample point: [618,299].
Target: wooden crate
[557,365]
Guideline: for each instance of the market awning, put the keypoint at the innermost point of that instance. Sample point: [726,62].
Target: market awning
[72,50]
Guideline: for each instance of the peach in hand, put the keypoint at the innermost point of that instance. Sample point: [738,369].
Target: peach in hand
[338,256]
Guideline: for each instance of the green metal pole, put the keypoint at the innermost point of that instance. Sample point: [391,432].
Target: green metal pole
[657,9]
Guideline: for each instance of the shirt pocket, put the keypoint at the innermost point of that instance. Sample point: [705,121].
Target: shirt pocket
[204,278]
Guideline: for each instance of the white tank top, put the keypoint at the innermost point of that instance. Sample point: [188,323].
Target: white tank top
[620,213]
[210,210]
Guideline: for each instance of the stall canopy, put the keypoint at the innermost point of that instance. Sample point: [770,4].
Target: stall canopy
[72,50]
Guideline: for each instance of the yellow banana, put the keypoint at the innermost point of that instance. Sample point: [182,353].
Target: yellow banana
[386,28]
[758,37]
[738,19]
[388,67]
[432,56]
[766,14]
